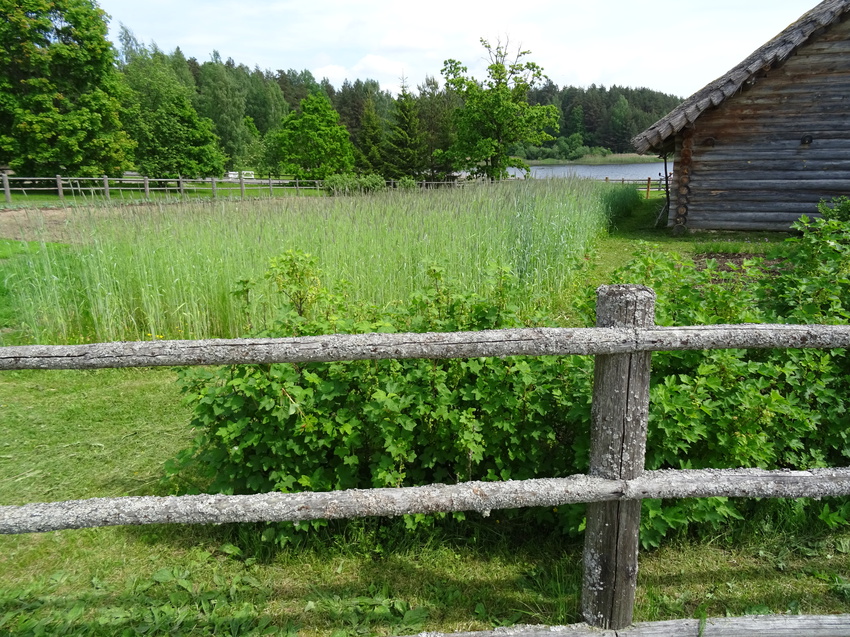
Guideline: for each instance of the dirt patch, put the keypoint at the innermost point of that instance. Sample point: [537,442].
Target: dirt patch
[734,262]
[53,224]
[33,224]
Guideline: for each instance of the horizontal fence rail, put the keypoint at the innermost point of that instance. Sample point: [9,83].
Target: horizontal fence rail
[538,341]
[134,189]
[750,626]
[622,341]
[482,497]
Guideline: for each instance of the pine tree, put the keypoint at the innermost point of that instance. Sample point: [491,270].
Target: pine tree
[406,151]
[369,146]
[436,106]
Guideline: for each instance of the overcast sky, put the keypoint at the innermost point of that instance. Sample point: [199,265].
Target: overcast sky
[674,46]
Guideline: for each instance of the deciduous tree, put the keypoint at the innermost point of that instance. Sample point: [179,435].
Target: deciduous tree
[310,144]
[59,107]
[222,98]
[496,114]
[171,138]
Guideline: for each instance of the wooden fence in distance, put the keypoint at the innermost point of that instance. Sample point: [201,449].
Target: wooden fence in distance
[146,188]
[133,189]
[622,343]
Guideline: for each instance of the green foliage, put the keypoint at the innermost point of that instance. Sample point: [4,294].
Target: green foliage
[310,144]
[406,183]
[839,210]
[222,98]
[747,408]
[369,149]
[496,114]
[171,138]
[352,102]
[394,423]
[349,184]
[264,101]
[59,108]
[436,107]
[166,601]
[814,287]
[324,426]
[406,150]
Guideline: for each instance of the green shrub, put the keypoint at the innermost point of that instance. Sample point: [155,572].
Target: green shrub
[348,184]
[371,183]
[388,423]
[839,210]
[408,422]
[341,184]
[747,408]
[406,183]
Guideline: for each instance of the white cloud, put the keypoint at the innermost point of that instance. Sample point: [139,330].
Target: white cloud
[672,45]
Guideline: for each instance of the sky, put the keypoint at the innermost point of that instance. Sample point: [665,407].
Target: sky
[673,46]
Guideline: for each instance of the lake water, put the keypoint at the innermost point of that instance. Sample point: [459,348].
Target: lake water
[612,171]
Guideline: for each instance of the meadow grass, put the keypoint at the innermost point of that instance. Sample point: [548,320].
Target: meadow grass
[175,271]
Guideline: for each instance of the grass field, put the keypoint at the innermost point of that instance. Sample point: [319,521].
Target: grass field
[108,433]
[171,272]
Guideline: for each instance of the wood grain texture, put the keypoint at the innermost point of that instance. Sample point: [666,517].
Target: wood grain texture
[750,626]
[348,347]
[482,497]
[617,449]
[748,125]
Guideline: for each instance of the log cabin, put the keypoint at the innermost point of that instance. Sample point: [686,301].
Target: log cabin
[762,145]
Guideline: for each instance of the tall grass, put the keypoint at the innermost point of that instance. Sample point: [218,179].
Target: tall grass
[171,271]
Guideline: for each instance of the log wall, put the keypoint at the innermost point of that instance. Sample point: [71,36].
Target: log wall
[744,165]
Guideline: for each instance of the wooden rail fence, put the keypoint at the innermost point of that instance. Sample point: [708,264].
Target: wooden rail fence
[622,342]
[131,189]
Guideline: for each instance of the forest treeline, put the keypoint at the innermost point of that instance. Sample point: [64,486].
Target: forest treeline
[71,102]
[247,107]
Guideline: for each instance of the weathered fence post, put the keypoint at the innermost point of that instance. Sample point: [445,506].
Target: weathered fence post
[7,192]
[297,190]
[147,185]
[180,186]
[242,184]
[59,188]
[617,450]
[106,187]
[271,189]
[212,180]
[648,186]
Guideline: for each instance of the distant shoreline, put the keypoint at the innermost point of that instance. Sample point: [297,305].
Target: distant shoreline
[597,160]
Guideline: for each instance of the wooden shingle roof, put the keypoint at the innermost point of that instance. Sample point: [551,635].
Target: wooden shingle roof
[776,51]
